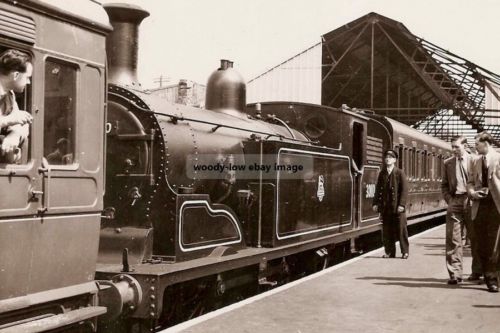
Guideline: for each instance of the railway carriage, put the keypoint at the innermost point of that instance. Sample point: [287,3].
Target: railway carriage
[50,212]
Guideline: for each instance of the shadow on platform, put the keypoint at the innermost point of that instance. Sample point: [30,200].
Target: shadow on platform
[486,306]
[465,255]
[421,283]
[431,246]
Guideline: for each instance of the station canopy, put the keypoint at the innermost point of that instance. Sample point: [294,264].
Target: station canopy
[376,63]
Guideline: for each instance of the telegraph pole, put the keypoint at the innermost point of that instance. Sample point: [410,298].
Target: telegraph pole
[162,79]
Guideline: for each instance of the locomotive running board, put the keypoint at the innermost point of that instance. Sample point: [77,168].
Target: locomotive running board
[57,321]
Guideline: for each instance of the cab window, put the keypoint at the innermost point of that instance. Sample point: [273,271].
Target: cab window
[59,106]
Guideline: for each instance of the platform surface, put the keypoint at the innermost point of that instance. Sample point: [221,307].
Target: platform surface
[367,294]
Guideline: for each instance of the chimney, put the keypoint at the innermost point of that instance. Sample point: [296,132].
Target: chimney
[122,43]
[182,95]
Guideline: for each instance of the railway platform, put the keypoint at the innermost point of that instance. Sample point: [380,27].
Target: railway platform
[367,294]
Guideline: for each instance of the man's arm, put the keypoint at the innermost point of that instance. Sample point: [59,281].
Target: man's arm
[16,117]
[403,188]
[16,135]
[378,189]
[445,184]
[471,191]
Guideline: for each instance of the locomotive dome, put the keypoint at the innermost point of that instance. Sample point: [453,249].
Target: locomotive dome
[226,90]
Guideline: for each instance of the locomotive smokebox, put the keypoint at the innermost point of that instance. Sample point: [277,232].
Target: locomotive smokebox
[226,90]
[122,43]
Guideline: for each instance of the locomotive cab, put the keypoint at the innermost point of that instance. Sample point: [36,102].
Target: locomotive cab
[343,131]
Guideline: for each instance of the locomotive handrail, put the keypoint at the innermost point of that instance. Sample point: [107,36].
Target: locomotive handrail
[176,118]
[259,226]
[132,137]
[273,117]
[269,135]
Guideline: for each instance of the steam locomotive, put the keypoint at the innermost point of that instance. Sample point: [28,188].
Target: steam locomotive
[110,224]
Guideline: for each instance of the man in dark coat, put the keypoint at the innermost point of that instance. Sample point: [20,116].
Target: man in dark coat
[483,187]
[390,201]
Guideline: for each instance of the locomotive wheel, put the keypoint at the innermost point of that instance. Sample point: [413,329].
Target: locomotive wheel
[185,301]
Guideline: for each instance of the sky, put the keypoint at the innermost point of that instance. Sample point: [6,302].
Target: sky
[185,39]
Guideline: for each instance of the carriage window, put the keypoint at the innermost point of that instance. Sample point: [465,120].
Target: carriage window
[432,166]
[425,175]
[418,165]
[21,154]
[59,106]
[413,163]
[439,167]
[401,158]
[407,162]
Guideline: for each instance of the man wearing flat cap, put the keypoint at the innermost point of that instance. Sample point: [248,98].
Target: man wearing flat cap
[390,201]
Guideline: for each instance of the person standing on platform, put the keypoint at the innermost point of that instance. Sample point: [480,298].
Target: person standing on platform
[390,201]
[483,188]
[454,189]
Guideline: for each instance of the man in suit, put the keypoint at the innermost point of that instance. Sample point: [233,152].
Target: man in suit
[454,189]
[390,201]
[483,187]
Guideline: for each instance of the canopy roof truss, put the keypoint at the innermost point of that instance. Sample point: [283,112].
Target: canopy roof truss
[375,62]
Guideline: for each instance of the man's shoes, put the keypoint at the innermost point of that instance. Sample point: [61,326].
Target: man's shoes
[388,256]
[454,280]
[405,256]
[474,277]
[492,288]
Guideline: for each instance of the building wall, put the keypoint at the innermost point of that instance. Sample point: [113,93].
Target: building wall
[297,79]
[185,92]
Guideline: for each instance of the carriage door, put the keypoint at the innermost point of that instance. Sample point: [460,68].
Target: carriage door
[73,138]
[18,206]
[70,201]
[358,148]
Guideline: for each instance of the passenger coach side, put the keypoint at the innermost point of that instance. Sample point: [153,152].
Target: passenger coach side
[51,200]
